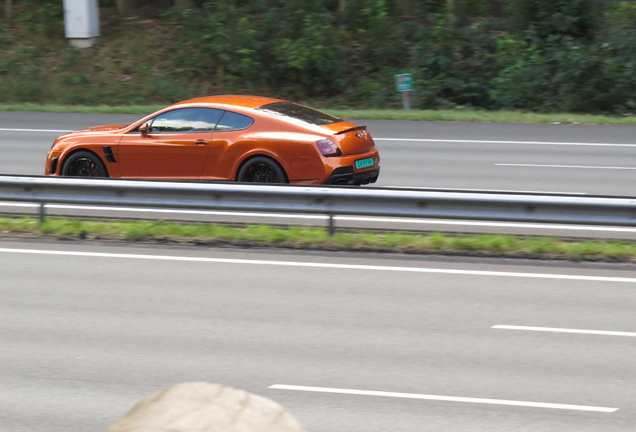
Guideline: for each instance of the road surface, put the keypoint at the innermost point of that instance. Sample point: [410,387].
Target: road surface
[574,159]
[579,159]
[345,342]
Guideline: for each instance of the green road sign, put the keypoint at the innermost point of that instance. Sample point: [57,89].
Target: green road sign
[403,82]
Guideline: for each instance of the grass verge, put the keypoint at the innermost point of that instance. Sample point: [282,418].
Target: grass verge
[84,109]
[483,116]
[318,238]
[459,115]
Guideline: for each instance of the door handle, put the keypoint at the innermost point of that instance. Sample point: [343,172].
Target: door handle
[202,142]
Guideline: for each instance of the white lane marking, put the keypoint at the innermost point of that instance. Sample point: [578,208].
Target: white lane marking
[445,398]
[563,330]
[565,166]
[418,140]
[321,265]
[593,144]
[487,190]
[30,205]
[154,210]
[341,218]
[491,224]
[34,130]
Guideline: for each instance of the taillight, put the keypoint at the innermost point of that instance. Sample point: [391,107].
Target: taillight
[328,148]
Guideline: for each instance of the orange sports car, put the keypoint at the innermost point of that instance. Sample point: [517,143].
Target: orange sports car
[242,138]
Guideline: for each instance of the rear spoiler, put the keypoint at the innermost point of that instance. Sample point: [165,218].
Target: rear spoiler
[351,130]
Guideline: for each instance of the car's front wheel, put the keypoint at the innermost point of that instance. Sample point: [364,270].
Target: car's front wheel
[261,170]
[84,164]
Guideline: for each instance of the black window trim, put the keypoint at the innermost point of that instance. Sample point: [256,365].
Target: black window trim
[151,120]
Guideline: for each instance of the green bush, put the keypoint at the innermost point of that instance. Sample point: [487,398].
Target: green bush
[569,76]
[536,55]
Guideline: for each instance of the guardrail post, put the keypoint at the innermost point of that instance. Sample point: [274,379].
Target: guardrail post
[332,225]
[42,214]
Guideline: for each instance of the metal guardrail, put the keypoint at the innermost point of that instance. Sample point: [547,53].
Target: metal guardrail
[320,200]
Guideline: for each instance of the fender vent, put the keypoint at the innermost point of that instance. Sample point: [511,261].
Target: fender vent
[108,152]
[53,166]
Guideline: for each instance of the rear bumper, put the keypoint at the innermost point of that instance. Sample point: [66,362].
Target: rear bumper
[346,176]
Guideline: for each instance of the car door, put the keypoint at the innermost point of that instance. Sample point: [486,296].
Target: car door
[176,147]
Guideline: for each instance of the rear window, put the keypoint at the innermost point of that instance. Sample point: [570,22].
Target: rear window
[299,112]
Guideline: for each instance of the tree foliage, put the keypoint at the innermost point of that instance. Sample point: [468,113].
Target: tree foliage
[542,55]
[549,18]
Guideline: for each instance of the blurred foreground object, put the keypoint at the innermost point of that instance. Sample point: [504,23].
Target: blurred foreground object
[206,407]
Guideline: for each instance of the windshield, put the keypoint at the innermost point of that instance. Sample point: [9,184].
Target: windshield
[299,112]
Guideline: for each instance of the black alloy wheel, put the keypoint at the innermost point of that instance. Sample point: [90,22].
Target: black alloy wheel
[84,164]
[261,170]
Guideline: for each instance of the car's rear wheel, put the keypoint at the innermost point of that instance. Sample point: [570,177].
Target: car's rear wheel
[84,164]
[261,170]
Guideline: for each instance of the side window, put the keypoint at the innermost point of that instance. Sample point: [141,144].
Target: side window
[233,121]
[186,120]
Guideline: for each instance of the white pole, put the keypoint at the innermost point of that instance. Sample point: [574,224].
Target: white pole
[406,103]
[81,22]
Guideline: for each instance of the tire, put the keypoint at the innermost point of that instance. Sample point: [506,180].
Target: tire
[84,164]
[261,170]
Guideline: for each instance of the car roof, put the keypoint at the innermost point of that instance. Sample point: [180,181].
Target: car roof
[234,100]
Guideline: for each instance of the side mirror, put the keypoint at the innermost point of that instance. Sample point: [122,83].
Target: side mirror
[144,129]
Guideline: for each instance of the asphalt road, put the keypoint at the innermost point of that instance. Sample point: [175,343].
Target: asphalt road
[580,159]
[384,342]
[575,159]
[85,336]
